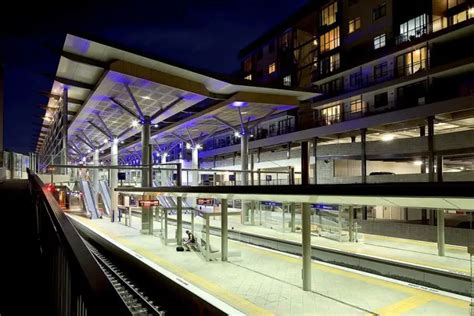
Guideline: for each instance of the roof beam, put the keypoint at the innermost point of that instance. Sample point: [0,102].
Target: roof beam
[190,137]
[74,83]
[105,126]
[124,132]
[126,109]
[165,108]
[100,130]
[179,137]
[85,142]
[84,60]
[135,103]
[226,124]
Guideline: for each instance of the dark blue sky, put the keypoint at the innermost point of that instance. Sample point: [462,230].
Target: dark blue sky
[202,34]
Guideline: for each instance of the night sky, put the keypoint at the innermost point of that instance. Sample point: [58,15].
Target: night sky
[202,34]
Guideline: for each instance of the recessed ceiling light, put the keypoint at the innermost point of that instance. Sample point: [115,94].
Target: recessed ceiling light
[388,137]
[146,98]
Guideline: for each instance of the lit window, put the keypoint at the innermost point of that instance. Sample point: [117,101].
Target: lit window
[329,40]
[379,11]
[272,68]
[287,81]
[354,25]
[329,64]
[463,16]
[328,14]
[414,28]
[249,77]
[357,105]
[412,62]
[331,115]
[379,41]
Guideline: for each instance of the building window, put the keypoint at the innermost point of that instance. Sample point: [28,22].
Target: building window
[463,16]
[329,64]
[331,115]
[248,77]
[355,79]
[328,14]
[357,105]
[329,40]
[454,3]
[354,25]
[380,70]
[287,81]
[413,28]
[271,68]
[259,53]
[333,86]
[379,41]
[412,62]
[381,99]
[379,11]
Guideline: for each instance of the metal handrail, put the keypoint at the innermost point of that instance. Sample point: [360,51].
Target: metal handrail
[78,284]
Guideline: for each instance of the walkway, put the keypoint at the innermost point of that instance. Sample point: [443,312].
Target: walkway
[264,282]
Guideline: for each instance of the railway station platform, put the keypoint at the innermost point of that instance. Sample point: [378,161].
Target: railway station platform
[264,282]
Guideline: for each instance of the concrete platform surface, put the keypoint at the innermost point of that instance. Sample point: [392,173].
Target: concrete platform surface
[265,282]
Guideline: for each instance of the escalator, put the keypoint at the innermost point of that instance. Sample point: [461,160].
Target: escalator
[105,193]
[88,199]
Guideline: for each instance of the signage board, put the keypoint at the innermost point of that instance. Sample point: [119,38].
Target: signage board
[231,177]
[148,203]
[121,176]
[268,177]
[272,203]
[328,207]
[204,201]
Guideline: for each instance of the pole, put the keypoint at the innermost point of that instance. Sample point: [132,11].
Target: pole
[315,154]
[306,237]
[224,230]
[440,230]
[304,163]
[179,209]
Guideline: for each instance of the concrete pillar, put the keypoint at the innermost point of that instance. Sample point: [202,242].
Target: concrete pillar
[431,148]
[179,221]
[95,177]
[179,208]
[306,238]
[147,212]
[363,155]
[224,235]
[252,180]
[431,174]
[351,223]
[315,155]
[304,163]
[363,164]
[244,155]
[293,217]
[440,230]
[64,123]
[195,165]
[439,168]
[288,152]
[146,129]
[113,176]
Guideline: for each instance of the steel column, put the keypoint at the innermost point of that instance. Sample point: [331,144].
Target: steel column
[195,165]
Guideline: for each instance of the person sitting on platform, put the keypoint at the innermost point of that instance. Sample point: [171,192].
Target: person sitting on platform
[190,241]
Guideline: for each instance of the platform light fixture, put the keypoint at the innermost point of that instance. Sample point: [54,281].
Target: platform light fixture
[198,146]
[388,137]
[134,123]
[418,162]
[116,140]
[188,146]
[237,134]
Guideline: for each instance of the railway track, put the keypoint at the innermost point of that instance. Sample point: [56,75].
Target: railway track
[136,300]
